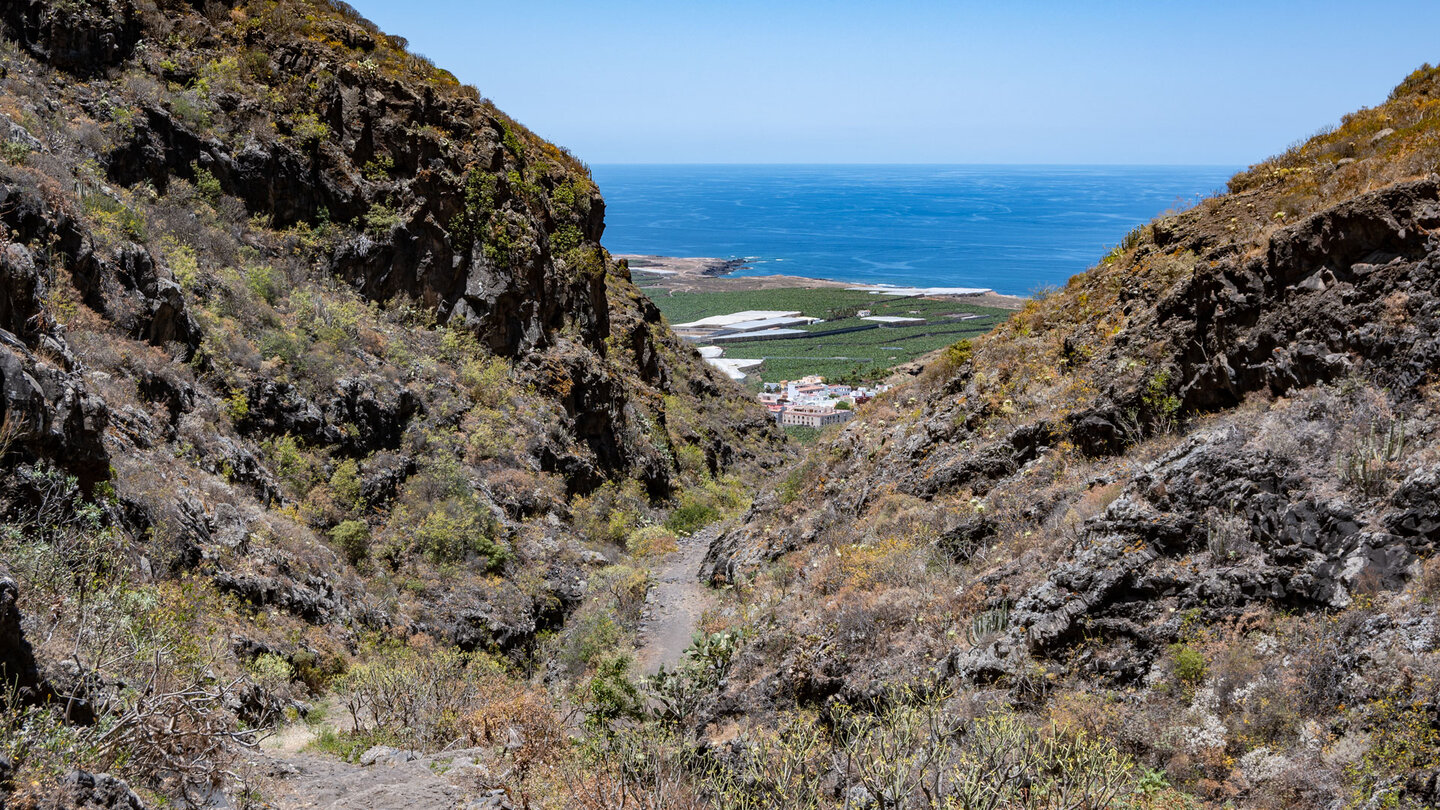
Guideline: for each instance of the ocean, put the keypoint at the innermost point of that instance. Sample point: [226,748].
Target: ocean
[1014,229]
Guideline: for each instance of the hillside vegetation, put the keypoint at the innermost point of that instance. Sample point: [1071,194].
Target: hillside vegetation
[339,458]
[317,383]
[1176,520]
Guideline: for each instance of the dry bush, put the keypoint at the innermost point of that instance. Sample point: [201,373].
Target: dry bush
[141,655]
[651,543]
[765,768]
[422,698]
[645,767]
[919,752]
[1427,585]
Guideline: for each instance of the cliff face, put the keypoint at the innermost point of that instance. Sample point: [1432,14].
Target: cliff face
[316,118]
[1193,489]
[292,321]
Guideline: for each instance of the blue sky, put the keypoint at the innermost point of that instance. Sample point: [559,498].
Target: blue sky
[931,81]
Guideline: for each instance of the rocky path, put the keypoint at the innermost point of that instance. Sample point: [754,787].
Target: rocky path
[394,780]
[385,779]
[675,604]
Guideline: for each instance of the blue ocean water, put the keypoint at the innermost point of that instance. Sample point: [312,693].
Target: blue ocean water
[1010,228]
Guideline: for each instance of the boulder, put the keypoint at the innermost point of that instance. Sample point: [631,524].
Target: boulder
[82,790]
[386,756]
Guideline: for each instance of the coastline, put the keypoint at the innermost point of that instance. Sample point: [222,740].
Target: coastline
[695,274]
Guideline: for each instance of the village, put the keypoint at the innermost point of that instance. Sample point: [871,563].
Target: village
[806,402]
[810,402]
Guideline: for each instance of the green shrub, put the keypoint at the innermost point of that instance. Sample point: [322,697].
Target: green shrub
[345,483]
[591,635]
[14,153]
[691,516]
[565,239]
[511,141]
[564,199]
[295,468]
[276,343]
[188,107]
[500,243]
[116,218]
[378,169]
[1162,406]
[480,191]
[1005,762]
[651,541]
[415,697]
[309,129]
[271,671]
[353,538]
[587,260]
[183,264]
[610,513]
[691,459]
[460,529]
[611,695]
[1189,664]
[1403,738]
[346,747]
[488,379]
[206,185]
[265,282]
[381,219]
[706,503]
[620,591]
[237,406]
[958,354]
[316,672]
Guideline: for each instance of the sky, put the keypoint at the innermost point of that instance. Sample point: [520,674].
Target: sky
[926,81]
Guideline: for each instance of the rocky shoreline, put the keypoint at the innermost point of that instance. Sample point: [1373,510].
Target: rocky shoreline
[689,266]
[695,274]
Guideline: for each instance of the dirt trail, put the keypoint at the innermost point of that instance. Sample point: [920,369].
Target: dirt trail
[394,780]
[440,782]
[675,604]
[460,779]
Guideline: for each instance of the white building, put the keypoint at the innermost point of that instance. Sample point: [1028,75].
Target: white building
[814,416]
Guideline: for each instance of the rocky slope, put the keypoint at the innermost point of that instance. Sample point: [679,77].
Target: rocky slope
[322,404]
[304,346]
[1187,502]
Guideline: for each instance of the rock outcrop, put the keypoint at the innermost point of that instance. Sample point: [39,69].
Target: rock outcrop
[301,341]
[81,38]
[1201,472]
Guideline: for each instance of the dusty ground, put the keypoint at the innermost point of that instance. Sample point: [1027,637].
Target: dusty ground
[675,605]
[447,781]
[702,275]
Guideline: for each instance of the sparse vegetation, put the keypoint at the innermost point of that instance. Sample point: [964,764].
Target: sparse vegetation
[335,480]
[288,484]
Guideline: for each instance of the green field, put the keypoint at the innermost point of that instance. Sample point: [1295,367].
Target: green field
[827,303]
[855,356]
